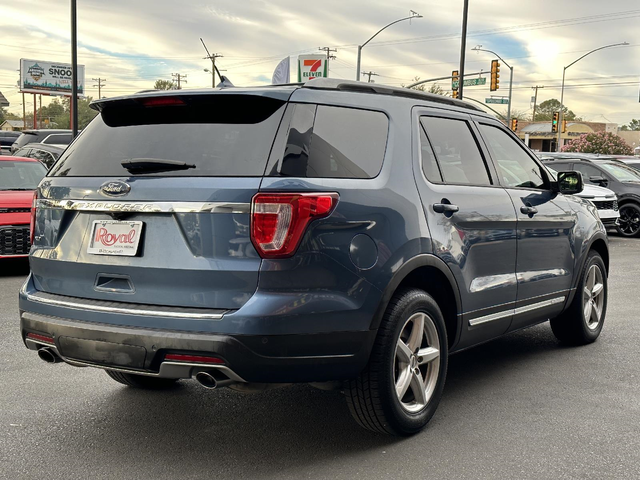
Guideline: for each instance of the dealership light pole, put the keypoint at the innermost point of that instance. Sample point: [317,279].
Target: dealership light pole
[564,71]
[478,48]
[74,69]
[360,47]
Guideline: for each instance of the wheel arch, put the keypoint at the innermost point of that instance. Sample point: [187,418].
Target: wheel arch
[431,274]
[598,243]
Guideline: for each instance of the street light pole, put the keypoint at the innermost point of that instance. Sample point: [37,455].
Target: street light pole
[564,71]
[360,47]
[478,48]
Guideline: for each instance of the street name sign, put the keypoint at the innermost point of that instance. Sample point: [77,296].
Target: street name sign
[469,82]
[503,101]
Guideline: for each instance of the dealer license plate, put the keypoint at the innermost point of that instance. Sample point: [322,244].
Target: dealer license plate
[114,237]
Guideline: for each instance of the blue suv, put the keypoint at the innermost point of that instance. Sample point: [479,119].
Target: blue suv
[344,234]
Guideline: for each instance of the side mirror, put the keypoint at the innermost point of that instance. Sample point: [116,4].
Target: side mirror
[598,179]
[569,183]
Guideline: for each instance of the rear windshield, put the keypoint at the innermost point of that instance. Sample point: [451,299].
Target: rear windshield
[220,135]
[20,175]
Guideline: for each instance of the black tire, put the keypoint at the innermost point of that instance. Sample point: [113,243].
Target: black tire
[141,381]
[571,327]
[372,397]
[629,221]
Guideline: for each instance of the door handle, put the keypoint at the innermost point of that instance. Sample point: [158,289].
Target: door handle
[528,210]
[445,208]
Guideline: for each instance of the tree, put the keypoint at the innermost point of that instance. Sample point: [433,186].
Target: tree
[605,143]
[85,113]
[521,115]
[163,85]
[547,108]
[433,88]
[634,125]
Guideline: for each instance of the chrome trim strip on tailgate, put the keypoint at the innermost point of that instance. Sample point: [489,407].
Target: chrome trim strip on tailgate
[146,207]
[132,309]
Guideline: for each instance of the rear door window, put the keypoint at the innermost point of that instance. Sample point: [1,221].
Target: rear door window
[456,151]
[222,135]
[334,142]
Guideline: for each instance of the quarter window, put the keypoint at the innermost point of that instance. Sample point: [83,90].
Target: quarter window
[515,167]
[456,151]
[336,143]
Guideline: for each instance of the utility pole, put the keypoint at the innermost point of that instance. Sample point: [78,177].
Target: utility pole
[463,46]
[213,64]
[535,101]
[100,84]
[178,78]
[370,74]
[328,51]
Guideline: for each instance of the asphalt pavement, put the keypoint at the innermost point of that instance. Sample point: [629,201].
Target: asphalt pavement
[518,407]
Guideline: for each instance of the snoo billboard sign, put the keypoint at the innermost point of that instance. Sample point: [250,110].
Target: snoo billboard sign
[38,76]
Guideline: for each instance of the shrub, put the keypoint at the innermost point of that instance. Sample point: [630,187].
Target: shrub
[605,143]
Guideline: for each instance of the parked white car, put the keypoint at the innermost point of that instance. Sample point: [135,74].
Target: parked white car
[605,201]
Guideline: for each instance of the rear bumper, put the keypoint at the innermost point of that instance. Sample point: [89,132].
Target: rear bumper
[270,359]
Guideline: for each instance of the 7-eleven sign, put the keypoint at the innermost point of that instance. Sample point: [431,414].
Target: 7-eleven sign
[311,66]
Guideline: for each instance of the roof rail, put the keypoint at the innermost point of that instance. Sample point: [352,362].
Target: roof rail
[363,87]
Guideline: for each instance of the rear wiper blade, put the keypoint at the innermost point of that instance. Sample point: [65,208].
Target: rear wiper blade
[151,165]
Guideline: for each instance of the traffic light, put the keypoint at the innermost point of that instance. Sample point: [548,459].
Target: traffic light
[495,75]
[454,94]
[554,122]
[564,126]
[455,77]
[514,124]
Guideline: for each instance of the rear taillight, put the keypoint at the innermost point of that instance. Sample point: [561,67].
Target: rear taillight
[32,223]
[278,220]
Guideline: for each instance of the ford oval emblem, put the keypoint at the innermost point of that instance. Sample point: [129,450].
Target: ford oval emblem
[115,189]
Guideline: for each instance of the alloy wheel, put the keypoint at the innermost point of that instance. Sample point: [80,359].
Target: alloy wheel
[417,362]
[593,297]
[629,222]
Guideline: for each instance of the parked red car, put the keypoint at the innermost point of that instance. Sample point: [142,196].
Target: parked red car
[18,179]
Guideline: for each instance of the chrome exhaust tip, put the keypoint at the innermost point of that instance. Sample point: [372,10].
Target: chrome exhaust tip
[48,355]
[206,380]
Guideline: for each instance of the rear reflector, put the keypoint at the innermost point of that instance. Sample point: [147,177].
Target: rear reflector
[279,220]
[41,338]
[161,101]
[176,357]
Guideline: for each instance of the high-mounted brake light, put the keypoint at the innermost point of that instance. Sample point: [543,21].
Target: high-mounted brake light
[32,223]
[279,220]
[161,101]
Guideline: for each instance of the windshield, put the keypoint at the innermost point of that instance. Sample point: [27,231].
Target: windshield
[620,172]
[21,175]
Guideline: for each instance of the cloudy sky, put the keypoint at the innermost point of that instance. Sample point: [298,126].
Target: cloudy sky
[133,43]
